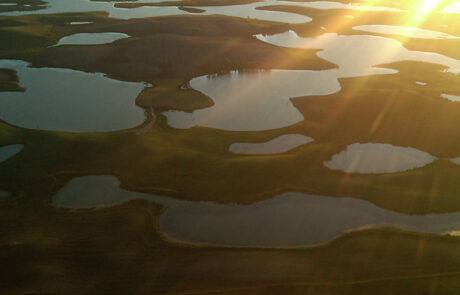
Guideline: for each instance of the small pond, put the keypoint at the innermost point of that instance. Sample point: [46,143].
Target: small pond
[278,145]
[68,100]
[288,219]
[451,97]
[91,38]
[412,32]
[8,151]
[372,158]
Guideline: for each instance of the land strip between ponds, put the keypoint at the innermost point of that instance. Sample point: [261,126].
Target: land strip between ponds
[144,163]
[72,240]
[357,282]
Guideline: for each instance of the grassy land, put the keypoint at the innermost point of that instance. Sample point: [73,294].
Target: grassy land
[45,250]
[191,9]
[168,95]
[165,47]
[117,250]
[195,164]
[9,81]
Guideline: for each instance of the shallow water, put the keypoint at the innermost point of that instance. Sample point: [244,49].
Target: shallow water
[259,100]
[278,145]
[68,100]
[255,100]
[337,5]
[250,11]
[8,151]
[357,54]
[370,158]
[455,160]
[80,23]
[412,32]
[451,97]
[452,8]
[91,38]
[244,10]
[289,219]
[66,6]
[4,194]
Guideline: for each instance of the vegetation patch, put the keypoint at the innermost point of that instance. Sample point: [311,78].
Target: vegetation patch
[172,95]
[9,81]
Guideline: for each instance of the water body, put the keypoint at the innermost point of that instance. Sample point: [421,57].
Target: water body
[80,23]
[68,100]
[356,54]
[246,10]
[8,151]
[452,8]
[4,194]
[411,32]
[278,145]
[451,97]
[455,160]
[91,38]
[289,219]
[336,5]
[370,158]
[254,100]
[68,6]
[260,100]
[250,11]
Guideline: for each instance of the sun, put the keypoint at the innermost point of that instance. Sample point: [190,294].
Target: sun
[424,9]
[429,5]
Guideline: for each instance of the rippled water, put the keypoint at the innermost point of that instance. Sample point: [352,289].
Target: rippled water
[288,219]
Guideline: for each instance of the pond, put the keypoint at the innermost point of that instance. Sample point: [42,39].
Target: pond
[260,100]
[412,32]
[80,23]
[452,8]
[68,100]
[451,97]
[378,158]
[245,10]
[91,38]
[254,100]
[357,55]
[4,194]
[288,219]
[278,145]
[8,151]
